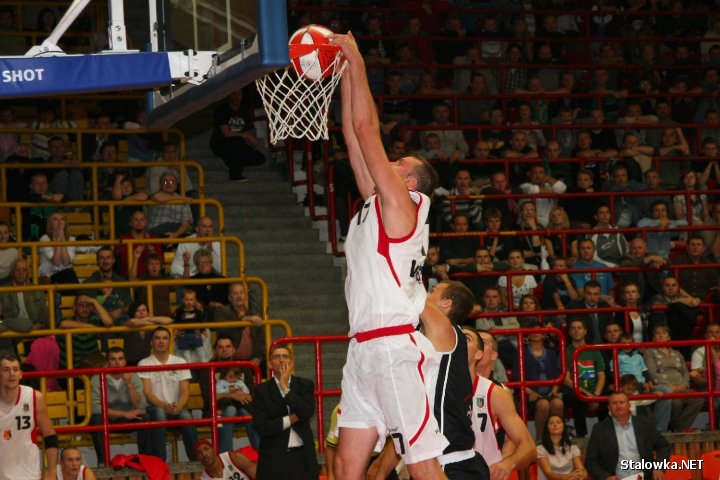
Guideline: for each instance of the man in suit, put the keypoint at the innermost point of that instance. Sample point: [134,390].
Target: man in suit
[595,322]
[21,311]
[620,440]
[283,407]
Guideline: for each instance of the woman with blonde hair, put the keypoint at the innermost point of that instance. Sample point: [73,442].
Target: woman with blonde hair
[56,262]
[556,244]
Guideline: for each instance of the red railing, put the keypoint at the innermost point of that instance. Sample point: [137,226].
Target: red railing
[107,427]
[710,393]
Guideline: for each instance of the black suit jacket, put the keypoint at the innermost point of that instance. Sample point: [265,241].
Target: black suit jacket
[603,451]
[603,319]
[269,408]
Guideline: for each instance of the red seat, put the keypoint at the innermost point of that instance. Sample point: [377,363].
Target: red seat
[683,474]
[711,465]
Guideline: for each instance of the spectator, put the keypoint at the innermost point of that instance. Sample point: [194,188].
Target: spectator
[233,402]
[515,74]
[682,312]
[497,138]
[124,189]
[153,175]
[595,322]
[11,44]
[697,282]
[106,177]
[168,217]
[612,96]
[452,142]
[8,141]
[556,243]
[56,263]
[637,321]
[507,344]
[541,363]
[519,284]
[541,182]
[580,210]
[92,142]
[459,250]
[21,311]
[507,209]
[155,270]
[660,242]
[137,342]
[673,144]
[590,378]
[534,136]
[47,120]
[649,280]
[233,140]
[530,245]
[287,449]
[138,230]
[473,208]
[558,290]
[698,375]
[247,341]
[530,303]
[627,209]
[556,456]
[475,109]
[124,399]
[609,247]
[518,148]
[586,149]
[653,184]
[633,116]
[611,443]
[69,181]
[699,213]
[669,374]
[85,350]
[634,156]
[566,137]
[483,262]
[587,260]
[34,219]
[631,361]
[210,296]
[205,228]
[445,164]
[167,393]
[191,344]
[105,260]
[601,134]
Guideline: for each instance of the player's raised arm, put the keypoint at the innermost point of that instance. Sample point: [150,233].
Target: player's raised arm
[364,181]
[391,183]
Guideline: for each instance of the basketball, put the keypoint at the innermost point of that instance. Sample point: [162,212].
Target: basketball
[311,53]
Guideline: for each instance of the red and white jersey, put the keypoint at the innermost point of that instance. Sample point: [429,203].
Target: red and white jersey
[485,427]
[230,470]
[384,284]
[19,456]
[80,475]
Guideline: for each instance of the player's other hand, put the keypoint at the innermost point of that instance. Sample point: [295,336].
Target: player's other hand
[500,470]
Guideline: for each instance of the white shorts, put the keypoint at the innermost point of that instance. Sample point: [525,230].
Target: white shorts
[388,384]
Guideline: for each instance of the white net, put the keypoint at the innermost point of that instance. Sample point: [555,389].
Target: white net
[296,105]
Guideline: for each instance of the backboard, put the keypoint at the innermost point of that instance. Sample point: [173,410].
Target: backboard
[250,36]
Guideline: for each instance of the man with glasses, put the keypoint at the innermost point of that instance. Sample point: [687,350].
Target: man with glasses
[169,218]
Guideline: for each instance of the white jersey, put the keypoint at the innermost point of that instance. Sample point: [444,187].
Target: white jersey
[80,475]
[484,425]
[230,470]
[384,284]
[19,456]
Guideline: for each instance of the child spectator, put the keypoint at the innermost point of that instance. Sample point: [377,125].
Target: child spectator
[629,386]
[631,362]
[232,380]
[191,343]
[111,301]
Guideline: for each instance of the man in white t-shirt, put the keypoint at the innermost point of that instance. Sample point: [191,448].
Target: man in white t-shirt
[167,393]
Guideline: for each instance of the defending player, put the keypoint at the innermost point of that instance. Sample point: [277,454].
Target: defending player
[21,410]
[388,361]
[494,416]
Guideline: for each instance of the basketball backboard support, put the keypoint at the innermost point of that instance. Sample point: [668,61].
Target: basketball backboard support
[249,36]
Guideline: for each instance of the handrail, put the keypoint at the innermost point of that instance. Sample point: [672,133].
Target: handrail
[710,393]
[320,392]
[16,208]
[106,428]
[78,132]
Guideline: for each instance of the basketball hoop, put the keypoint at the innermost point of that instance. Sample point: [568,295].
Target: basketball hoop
[297,98]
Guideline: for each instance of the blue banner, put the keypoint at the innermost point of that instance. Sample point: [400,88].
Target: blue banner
[23,76]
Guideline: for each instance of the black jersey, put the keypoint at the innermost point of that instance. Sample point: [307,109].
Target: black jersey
[453,397]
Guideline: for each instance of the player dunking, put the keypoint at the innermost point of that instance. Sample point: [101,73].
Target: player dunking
[388,362]
[21,410]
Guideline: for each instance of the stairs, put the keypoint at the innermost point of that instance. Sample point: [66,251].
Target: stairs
[283,248]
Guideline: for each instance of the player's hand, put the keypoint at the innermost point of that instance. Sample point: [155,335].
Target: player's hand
[500,470]
[349,47]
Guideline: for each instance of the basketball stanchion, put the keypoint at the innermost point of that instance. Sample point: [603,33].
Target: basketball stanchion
[297,98]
